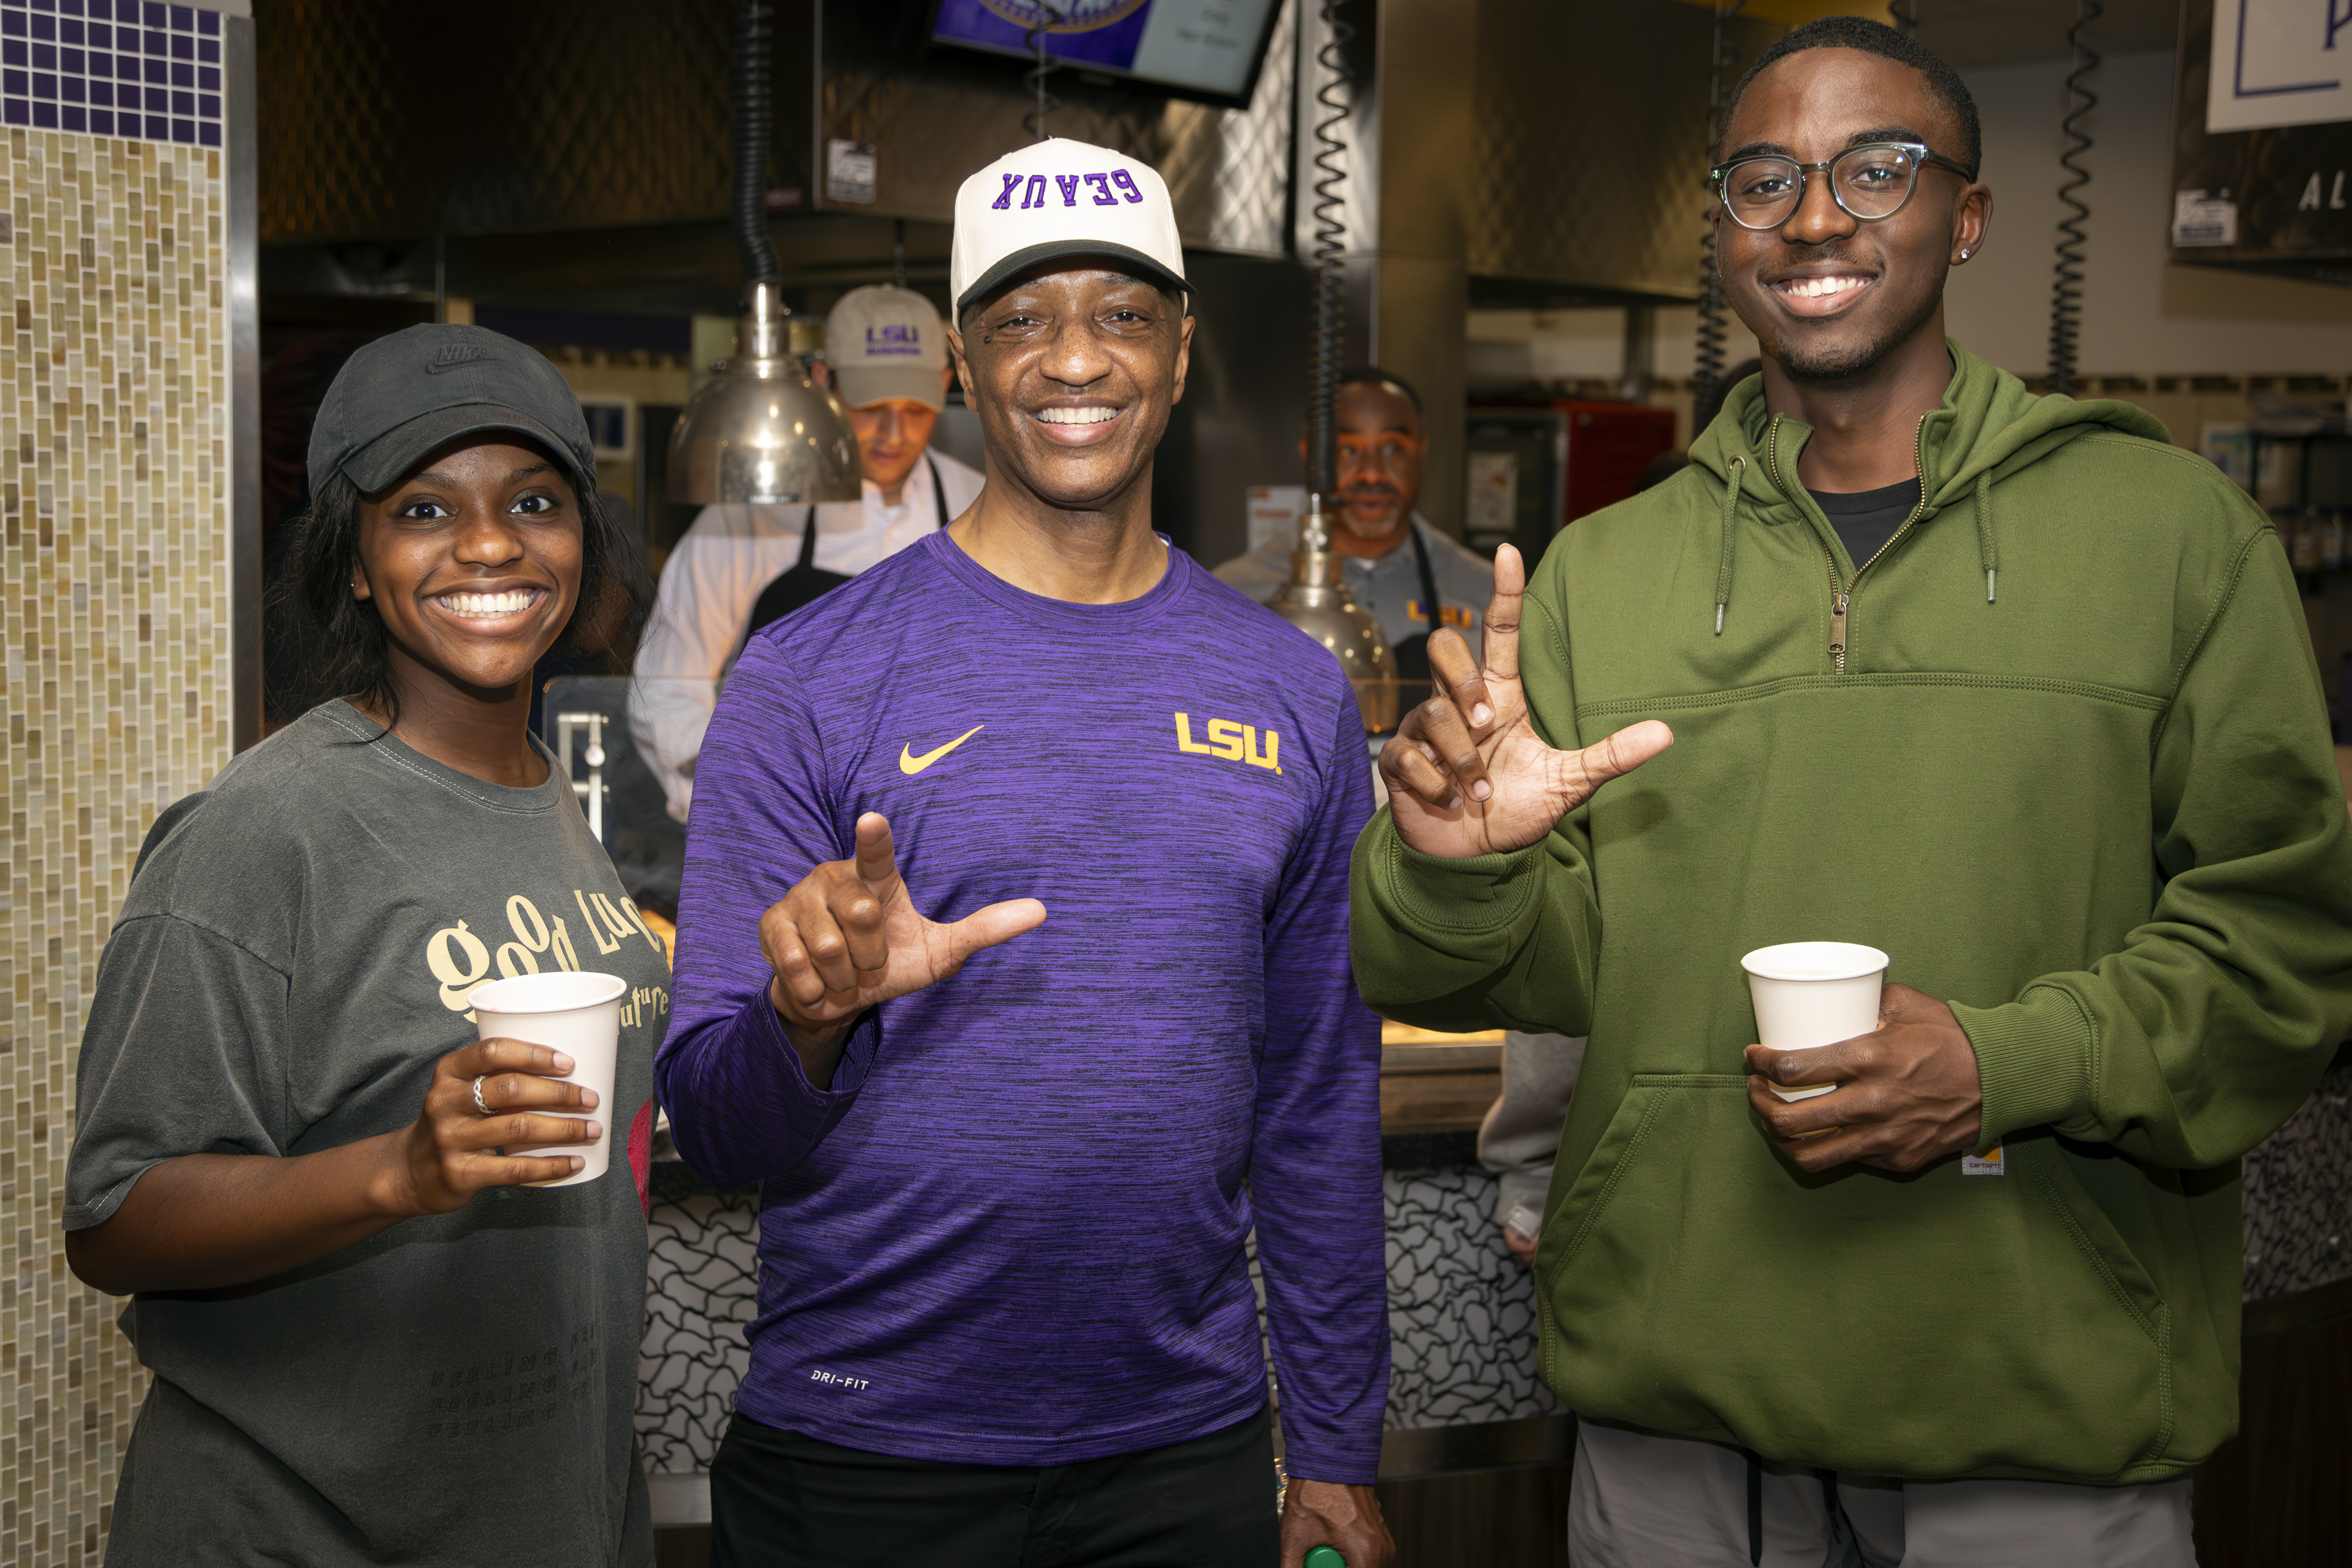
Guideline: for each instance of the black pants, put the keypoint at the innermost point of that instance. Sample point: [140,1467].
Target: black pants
[781,1500]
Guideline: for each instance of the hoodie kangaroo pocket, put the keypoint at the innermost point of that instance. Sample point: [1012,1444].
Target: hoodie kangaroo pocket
[1921,1325]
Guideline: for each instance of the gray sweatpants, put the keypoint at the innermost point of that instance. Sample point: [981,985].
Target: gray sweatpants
[1640,1500]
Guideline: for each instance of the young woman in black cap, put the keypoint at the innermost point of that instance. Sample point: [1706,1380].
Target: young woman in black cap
[368,1339]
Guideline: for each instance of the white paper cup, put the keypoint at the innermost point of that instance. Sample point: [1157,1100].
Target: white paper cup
[1812,994]
[577,1014]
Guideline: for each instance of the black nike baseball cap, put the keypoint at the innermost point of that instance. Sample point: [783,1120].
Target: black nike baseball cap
[404,396]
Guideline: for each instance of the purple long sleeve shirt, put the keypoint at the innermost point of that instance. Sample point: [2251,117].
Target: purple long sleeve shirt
[1010,1231]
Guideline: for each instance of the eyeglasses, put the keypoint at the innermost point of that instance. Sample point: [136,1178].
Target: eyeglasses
[1870,182]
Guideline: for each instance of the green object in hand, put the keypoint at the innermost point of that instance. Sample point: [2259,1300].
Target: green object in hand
[1325,1557]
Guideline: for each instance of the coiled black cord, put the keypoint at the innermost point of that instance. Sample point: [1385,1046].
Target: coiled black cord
[1707,358]
[754,122]
[1326,343]
[1034,40]
[2066,289]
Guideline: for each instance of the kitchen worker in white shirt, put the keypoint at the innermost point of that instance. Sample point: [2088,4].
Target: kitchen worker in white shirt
[740,567]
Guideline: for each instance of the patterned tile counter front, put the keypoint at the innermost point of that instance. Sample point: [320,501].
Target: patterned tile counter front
[1462,1318]
[1461,1310]
[701,1292]
[2299,1195]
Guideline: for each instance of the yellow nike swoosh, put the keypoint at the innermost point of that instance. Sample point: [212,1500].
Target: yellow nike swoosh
[911,764]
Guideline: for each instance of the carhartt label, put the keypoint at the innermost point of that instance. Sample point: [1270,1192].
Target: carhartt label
[1986,1164]
[840,1380]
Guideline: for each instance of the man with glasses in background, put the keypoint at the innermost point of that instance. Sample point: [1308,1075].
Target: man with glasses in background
[1406,574]
[1412,579]
[2002,685]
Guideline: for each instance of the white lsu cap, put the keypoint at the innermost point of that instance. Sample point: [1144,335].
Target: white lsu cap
[1057,198]
[883,341]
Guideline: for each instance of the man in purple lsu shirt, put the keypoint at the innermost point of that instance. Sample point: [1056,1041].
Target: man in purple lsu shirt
[1008,1161]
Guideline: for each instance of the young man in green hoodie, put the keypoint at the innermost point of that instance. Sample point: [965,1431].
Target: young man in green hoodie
[2001,685]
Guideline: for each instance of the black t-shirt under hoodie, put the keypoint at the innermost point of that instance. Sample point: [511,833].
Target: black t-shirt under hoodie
[1866,520]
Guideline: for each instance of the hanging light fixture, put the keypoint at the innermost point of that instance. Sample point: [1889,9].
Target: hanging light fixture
[759,429]
[1316,600]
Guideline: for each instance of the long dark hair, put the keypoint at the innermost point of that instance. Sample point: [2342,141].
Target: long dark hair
[351,652]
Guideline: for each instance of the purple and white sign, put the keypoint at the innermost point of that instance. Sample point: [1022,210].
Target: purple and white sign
[1197,45]
[2278,62]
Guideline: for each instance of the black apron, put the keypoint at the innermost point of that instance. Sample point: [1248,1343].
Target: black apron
[1412,653]
[805,582]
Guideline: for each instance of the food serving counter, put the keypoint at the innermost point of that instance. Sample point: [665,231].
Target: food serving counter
[1463,1395]
[1463,1391]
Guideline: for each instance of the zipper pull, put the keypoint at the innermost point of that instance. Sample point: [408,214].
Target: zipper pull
[1837,630]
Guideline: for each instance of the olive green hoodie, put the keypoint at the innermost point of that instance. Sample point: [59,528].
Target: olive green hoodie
[2059,751]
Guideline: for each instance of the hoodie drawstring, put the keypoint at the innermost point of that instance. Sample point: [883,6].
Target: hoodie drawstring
[1755,1508]
[1988,548]
[1986,551]
[1731,485]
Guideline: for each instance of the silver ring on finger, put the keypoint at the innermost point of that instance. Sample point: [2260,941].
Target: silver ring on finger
[479,1103]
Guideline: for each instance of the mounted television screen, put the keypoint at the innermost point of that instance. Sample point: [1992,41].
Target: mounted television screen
[1198,49]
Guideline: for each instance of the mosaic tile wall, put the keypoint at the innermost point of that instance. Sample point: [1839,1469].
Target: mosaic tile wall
[114,596]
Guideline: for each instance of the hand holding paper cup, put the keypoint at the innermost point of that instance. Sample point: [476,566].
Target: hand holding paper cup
[1813,993]
[577,1014]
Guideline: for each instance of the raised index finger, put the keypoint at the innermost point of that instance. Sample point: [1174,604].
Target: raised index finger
[1502,614]
[877,853]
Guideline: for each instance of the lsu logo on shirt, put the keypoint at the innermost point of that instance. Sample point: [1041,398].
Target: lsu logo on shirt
[1230,742]
[1459,616]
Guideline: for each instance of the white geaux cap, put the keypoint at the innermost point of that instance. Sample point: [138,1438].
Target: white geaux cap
[1057,198]
[883,341]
